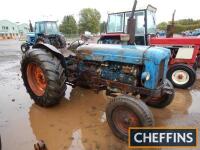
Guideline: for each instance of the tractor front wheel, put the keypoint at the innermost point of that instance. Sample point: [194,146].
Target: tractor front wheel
[43,76]
[24,47]
[181,76]
[165,100]
[124,112]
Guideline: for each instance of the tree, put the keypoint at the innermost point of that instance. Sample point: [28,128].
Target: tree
[68,25]
[181,25]
[89,20]
[162,26]
[103,27]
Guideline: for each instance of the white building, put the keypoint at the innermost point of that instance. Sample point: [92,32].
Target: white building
[10,30]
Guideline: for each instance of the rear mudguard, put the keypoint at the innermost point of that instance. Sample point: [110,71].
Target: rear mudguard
[53,50]
[48,47]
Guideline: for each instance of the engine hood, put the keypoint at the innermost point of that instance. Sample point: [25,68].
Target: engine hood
[122,53]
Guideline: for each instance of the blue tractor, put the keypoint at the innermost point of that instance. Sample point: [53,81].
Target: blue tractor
[134,76]
[30,41]
[45,32]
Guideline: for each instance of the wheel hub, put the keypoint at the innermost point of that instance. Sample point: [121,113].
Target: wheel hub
[124,118]
[180,77]
[36,79]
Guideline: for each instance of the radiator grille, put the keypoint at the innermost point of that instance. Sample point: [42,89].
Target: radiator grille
[161,73]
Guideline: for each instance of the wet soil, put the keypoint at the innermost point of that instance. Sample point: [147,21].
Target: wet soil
[78,122]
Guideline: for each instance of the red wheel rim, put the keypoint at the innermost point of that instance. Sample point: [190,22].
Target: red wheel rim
[123,118]
[36,79]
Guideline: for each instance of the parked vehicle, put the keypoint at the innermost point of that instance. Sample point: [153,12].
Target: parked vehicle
[185,51]
[123,71]
[196,32]
[161,33]
[46,32]
[30,41]
[186,33]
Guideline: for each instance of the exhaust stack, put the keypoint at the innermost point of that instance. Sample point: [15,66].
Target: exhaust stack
[131,24]
[171,27]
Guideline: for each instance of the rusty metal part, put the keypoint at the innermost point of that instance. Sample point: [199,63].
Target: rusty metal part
[127,69]
[101,84]
[171,27]
[40,145]
[90,75]
[36,79]
[131,25]
[123,118]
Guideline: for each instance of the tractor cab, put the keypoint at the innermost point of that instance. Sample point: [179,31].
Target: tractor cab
[46,28]
[48,32]
[117,26]
[45,32]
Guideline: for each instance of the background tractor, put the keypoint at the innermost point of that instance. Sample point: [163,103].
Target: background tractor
[185,51]
[46,32]
[135,76]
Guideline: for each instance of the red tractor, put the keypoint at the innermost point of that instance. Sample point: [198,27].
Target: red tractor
[185,51]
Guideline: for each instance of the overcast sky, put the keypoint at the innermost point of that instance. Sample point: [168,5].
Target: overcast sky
[23,10]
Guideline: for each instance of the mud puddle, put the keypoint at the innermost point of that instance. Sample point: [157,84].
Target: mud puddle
[78,122]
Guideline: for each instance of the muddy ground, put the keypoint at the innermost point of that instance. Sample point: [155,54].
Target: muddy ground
[78,122]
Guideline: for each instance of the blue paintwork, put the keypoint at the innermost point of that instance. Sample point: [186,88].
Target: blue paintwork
[149,57]
[154,56]
[30,38]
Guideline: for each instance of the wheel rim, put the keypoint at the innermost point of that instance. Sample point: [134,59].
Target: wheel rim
[180,77]
[154,100]
[23,48]
[36,79]
[123,118]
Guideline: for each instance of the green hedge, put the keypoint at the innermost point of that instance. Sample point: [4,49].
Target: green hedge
[181,25]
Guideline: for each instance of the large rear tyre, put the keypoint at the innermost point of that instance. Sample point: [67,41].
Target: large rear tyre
[164,100]
[181,76]
[43,76]
[124,112]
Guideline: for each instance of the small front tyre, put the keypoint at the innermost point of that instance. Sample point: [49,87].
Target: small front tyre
[165,100]
[43,76]
[25,47]
[181,76]
[124,112]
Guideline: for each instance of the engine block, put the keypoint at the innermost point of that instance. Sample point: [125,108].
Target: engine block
[120,72]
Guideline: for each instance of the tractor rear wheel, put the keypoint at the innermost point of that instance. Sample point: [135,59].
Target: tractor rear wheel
[43,76]
[124,112]
[181,76]
[165,100]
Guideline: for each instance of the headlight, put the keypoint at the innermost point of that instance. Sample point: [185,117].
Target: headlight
[145,76]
